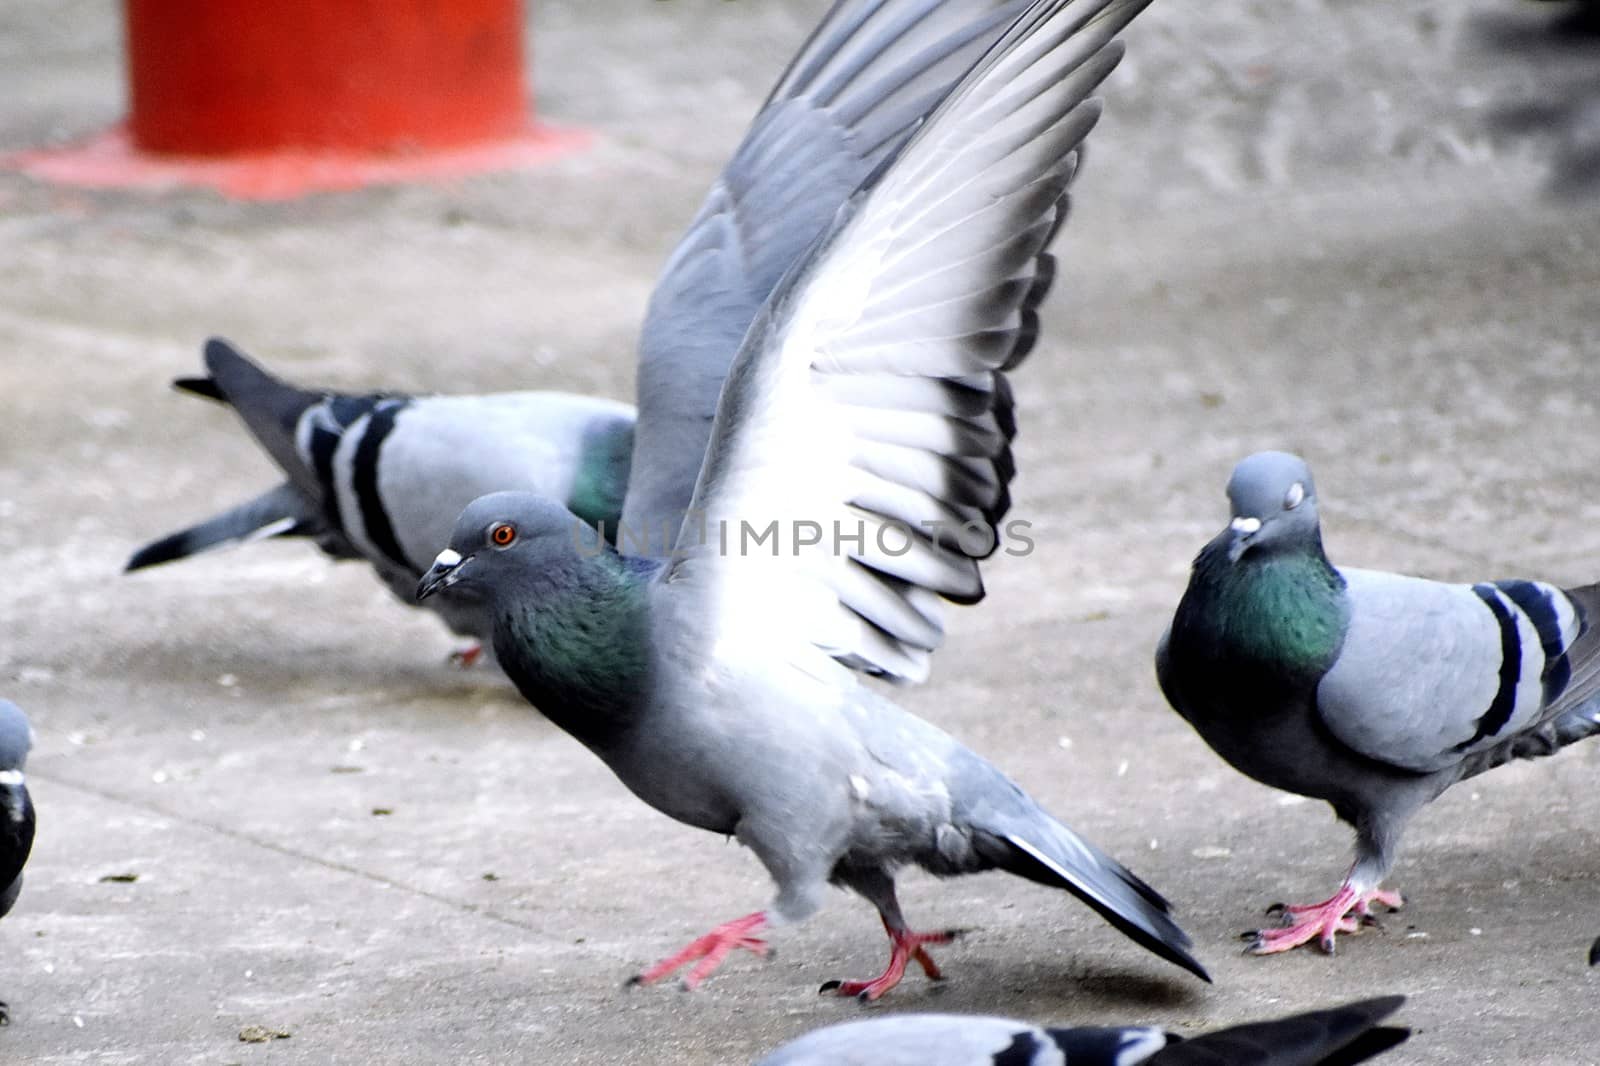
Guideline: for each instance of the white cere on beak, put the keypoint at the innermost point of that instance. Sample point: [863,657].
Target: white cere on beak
[448,557]
[10,777]
[1245,525]
[1292,498]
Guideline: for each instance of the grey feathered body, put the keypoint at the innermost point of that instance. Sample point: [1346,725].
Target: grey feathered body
[760,746]
[1242,661]
[382,477]
[820,776]
[1372,691]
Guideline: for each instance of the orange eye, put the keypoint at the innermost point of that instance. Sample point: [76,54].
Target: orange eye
[503,534]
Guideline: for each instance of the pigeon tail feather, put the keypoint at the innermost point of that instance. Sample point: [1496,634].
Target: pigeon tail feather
[279,512]
[1576,711]
[202,387]
[1340,1036]
[1051,854]
[270,407]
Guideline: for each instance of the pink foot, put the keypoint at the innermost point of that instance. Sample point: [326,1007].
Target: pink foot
[710,949]
[1346,911]
[905,947]
[467,657]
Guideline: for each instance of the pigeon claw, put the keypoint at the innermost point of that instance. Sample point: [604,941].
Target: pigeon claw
[708,952]
[1346,911]
[904,947]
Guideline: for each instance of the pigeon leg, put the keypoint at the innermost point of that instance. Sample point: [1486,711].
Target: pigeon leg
[905,946]
[710,950]
[1343,912]
[467,657]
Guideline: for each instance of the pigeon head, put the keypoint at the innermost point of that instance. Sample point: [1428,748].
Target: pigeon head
[1274,503]
[502,533]
[15,737]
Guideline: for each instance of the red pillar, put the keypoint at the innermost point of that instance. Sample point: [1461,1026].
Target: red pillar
[214,77]
[269,98]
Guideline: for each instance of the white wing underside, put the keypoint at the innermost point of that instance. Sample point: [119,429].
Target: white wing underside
[869,401]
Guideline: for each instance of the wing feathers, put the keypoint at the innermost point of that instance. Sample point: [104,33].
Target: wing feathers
[1433,674]
[857,89]
[870,390]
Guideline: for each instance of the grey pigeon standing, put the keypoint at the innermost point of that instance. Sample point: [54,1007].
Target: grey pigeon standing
[16,809]
[1370,690]
[381,477]
[1340,1036]
[868,403]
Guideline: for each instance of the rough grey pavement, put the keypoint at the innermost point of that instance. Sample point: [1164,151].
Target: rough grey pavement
[1293,231]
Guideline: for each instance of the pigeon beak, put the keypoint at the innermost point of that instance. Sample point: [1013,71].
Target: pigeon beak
[1244,530]
[445,571]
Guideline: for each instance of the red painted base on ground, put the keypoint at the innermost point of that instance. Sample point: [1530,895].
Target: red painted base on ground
[111,161]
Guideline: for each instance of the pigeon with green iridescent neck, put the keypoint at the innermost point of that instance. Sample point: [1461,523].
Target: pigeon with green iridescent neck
[1370,690]
[868,409]
[16,808]
[381,477]
[1342,1035]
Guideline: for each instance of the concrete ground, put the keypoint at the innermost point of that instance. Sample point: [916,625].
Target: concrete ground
[266,800]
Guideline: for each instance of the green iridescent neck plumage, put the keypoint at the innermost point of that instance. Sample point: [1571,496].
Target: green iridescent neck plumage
[1282,610]
[578,646]
[602,477]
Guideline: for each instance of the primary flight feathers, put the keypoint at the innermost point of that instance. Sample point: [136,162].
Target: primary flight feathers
[859,86]
[870,397]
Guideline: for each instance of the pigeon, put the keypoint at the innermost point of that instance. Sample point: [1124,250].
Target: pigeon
[16,809]
[381,477]
[867,409]
[1340,1036]
[1370,690]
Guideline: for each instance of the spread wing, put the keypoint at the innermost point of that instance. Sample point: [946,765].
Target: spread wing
[857,88]
[866,423]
